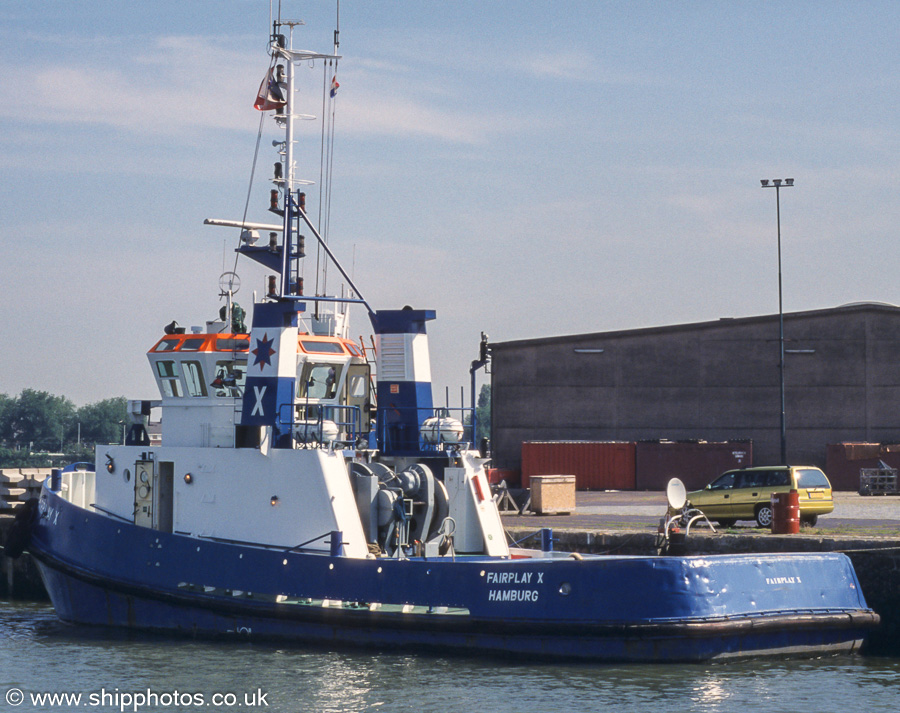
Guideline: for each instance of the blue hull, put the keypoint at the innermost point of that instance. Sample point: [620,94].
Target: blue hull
[102,572]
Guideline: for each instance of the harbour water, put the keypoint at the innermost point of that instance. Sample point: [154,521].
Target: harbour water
[119,671]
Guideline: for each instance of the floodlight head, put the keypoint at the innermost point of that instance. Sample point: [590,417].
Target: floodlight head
[777,182]
[789,181]
[764,182]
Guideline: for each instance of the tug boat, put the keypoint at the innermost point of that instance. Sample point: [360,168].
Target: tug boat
[306,488]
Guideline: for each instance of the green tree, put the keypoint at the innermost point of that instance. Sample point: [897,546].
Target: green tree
[6,404]
[39,418]
[483,413]
[101,421]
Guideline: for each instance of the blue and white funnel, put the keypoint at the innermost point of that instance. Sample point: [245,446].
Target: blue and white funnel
[404,378]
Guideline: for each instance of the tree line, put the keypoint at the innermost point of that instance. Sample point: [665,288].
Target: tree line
[35,424]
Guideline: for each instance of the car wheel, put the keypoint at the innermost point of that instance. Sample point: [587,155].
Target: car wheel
[810,520]
[764,516]
[726,523]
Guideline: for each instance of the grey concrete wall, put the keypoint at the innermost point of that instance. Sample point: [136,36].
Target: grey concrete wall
[713,381]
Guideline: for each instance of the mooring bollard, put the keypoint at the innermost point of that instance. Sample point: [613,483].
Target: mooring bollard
[337,543]
[547,539]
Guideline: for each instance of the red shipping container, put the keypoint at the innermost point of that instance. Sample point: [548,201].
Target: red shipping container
[596,465]
[695,463]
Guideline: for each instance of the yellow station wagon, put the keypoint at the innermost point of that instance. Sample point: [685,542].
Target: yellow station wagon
[745,494]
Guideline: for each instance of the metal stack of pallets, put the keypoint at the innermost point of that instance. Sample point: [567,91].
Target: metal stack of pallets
[878,481]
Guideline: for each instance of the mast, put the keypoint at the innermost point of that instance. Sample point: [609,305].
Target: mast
[403,389]
[288,176]
[284,258]
[271,384]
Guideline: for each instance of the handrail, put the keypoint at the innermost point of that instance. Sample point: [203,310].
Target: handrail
[111,513]
[386,428]
[352,426]
[304,544]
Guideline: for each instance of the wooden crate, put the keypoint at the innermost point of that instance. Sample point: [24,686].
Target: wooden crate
[552,494]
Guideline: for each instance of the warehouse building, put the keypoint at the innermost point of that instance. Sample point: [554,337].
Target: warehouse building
[711,381]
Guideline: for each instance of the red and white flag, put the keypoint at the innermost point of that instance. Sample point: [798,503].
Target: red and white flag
[270,95]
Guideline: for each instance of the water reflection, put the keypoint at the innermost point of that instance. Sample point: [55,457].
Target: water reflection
[710,691]
[319,680]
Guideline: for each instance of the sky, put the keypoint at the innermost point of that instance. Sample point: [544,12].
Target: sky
[526,169]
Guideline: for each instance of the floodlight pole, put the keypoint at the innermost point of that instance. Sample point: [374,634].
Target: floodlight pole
[777,184]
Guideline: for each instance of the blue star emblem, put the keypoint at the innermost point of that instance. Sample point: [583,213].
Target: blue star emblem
[264,351]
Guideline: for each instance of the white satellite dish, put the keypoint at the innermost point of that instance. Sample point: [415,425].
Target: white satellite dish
[676,494]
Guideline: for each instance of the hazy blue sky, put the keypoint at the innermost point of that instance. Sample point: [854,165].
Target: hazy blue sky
[524,168]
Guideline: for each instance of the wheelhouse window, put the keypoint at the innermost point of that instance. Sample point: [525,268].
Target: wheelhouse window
[193,377]
[230,378]
[192,344]
[314,347]
[357,386]
[168,378]
[167,345]
[319,381]
[232,344]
